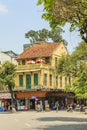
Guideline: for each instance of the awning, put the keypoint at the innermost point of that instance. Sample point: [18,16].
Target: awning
[30,62]
[5,96]
[40,61]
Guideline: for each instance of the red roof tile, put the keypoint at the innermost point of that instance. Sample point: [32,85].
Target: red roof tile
[38,50]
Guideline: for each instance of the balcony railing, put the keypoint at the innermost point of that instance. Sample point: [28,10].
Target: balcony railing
[32,66]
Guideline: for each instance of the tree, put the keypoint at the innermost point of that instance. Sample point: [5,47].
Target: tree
[80,82]
[7,74]
[75,65]
[64,65]
[60,12]
[45,35]
[32,35]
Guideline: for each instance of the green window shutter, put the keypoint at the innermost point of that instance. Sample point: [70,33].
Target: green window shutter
[35,79]
[65,81]
[47,59]
[55,60]
[20,80]
[56,81]
[50,80]
[45,79]
[23,62]
[28,81]
[60,81]
[70,80]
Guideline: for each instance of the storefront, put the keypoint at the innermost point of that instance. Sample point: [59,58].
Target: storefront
[5,101]
[22,104]
[26,102]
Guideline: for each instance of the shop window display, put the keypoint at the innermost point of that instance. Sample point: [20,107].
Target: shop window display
[21,104]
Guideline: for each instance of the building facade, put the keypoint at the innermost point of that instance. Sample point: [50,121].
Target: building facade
[36,77]
[37,67]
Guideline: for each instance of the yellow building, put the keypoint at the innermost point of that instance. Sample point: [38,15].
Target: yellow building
[36,67]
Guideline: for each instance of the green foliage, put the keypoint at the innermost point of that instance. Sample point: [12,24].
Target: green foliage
[32,35]
[7,74]
[68,88]
[59,12]
[45,35]
[80,53]
[75,65]
[80,82]
[64,65]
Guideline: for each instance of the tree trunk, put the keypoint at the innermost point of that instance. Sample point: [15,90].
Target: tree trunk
[12,96]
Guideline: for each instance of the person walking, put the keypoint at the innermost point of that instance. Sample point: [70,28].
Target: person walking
[57,106]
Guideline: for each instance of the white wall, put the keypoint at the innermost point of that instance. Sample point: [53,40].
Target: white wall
[5,57]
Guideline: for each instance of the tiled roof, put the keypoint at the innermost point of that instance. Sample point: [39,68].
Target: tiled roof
[38,50]
[11,53]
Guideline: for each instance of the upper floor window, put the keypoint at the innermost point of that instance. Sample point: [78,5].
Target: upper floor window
[23,62]
[60,81]
[56,80]
[50,76]
[20,80]
[56,60]
[69,80]
[65,81]
[45,79]
[35,79]
[47,59]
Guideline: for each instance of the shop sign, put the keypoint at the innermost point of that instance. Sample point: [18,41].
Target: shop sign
[5,96]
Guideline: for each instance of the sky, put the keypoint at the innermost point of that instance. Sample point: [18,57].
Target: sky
[17,17]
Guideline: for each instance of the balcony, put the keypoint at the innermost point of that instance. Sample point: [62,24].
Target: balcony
[32,67]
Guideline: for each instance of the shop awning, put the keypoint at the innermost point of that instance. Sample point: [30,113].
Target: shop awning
[5,96]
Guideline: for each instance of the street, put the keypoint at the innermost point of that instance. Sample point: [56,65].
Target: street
[32,120]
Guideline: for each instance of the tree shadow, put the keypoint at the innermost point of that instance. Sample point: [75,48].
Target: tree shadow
[66,127]
[66,119]
[81,123]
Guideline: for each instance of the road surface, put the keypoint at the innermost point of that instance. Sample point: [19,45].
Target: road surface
[53,120]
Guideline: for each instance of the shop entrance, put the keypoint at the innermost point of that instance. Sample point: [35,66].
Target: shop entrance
[32,104]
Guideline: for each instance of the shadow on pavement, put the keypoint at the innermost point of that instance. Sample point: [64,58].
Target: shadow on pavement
[66,119]
[66,127]
[81,123]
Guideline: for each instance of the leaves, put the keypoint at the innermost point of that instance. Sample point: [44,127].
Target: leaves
[59,12]
[44,35]
[7,74]
[40,2]
[75,65]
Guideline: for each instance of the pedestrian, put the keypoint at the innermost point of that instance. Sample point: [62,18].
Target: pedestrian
[57,106]
[70,108]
